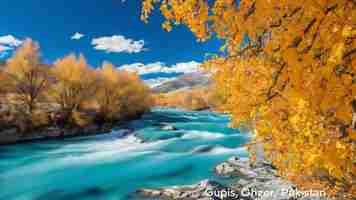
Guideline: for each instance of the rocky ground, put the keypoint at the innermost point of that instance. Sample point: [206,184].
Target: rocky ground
[258,182]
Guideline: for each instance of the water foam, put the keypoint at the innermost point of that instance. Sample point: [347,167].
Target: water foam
[202,135]
[226,150]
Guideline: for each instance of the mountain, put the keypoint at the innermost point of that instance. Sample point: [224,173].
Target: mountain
[183,82]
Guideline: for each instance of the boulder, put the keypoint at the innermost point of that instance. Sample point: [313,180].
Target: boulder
[208,184]
[90,129]
[199,191]
[234,167]
[53,132]
[149,192]
[9,132]
[169,128]
[203,149]
[71,132]
[9,136]
[225,169]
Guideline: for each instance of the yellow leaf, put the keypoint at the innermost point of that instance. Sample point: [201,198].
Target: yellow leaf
[352,134]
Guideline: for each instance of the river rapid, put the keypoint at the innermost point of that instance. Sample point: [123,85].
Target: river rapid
[111,167]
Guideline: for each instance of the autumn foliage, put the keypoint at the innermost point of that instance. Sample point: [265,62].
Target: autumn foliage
[197,98]
[75,83]
[121,93]
[35,94]
[287,71]
[25,77]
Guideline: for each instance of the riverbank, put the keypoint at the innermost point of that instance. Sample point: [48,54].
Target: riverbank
[253,182]
[12,134]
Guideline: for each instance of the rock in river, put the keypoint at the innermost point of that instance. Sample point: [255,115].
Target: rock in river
[235,167]
[169,128]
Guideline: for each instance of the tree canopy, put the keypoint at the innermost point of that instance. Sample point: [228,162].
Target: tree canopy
[121,93]
[68,93]
[75,82]
[25,77]
[287,70]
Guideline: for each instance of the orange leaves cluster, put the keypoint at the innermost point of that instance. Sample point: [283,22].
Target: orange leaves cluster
[293,82]
[192,13]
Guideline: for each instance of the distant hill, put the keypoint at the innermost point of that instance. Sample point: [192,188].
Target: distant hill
[183,82]
[193,91]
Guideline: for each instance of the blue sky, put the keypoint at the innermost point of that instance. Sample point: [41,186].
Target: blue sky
[106,23]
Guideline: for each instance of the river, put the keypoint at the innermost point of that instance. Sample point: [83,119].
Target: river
[110,167]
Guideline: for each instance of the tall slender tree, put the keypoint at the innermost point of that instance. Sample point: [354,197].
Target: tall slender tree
[26,78]
[109,91]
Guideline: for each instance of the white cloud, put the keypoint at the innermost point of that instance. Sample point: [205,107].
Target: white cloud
[5,48]
[158,81]
[118,44]
[10,41]
[141,68]
[77,36]
[160,67]
[188,67]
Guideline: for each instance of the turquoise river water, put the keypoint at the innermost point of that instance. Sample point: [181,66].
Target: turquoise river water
[111,167]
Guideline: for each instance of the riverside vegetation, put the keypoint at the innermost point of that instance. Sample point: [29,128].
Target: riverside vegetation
[197,98]
[67,98]
[192,91]
[287,71]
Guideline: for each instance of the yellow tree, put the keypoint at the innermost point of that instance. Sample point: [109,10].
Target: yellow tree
[26,78]
[288,71]
[75,83]
[135,96]
[121,94]
[109,91]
